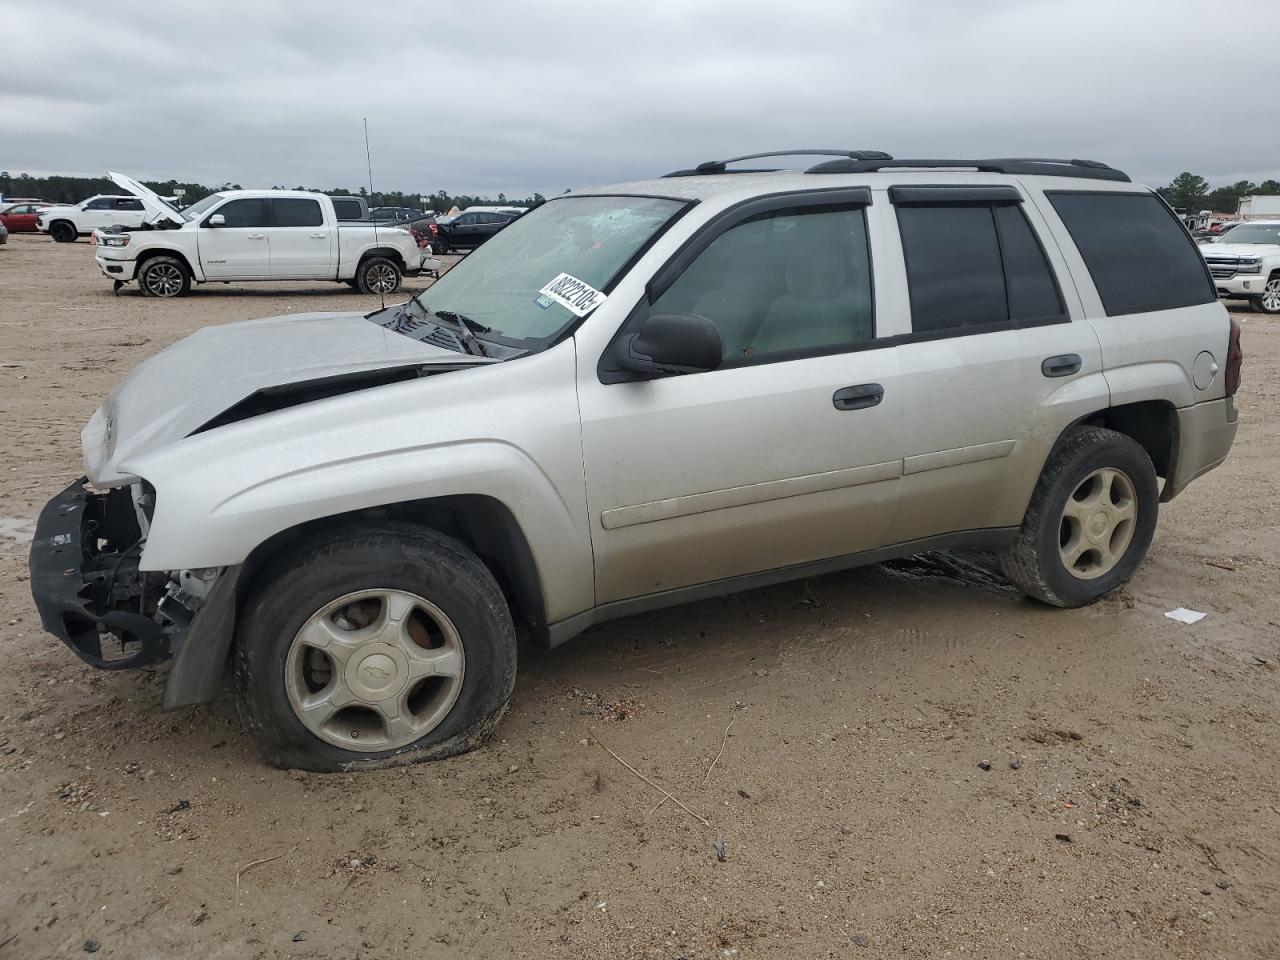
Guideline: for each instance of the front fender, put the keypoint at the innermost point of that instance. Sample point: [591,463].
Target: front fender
[481,432]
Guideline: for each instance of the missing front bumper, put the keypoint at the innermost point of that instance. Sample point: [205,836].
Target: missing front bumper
[86,583]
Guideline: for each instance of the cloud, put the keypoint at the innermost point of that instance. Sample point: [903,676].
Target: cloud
[516,96]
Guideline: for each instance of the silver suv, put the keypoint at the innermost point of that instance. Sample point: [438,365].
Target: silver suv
[633,397]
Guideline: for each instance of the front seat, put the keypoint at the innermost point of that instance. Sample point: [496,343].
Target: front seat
[825,304]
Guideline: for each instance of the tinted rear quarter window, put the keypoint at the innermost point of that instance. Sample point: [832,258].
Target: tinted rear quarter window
[346,209]
[1141,258]
[1033,294]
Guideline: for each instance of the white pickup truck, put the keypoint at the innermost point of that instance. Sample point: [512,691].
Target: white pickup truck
[1245,264]
[237,235]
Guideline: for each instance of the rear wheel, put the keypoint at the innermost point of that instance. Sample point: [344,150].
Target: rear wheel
[164,277]
[378,275]
[1269,301]
[1090,520]
[375,648]
[440,244]
[63,231]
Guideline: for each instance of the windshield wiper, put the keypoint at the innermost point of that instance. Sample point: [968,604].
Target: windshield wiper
[466,328]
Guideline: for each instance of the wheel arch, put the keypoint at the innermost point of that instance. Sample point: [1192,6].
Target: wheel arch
[153,252]
[391,253]
[484,524]
[1152,424]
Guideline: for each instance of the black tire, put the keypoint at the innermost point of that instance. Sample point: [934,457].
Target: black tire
[378,275]
[440,244]
[390,556]
[165,277]
[1261,303]
[63,231]
[1035,564]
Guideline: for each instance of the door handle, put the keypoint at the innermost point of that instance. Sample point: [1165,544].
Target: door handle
[318,236]
[256,236]
[1063,365]
[858,397]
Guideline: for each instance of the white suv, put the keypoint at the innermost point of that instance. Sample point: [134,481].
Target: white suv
[65,224]
[633,397]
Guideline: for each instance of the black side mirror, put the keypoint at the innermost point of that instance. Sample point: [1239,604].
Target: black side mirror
[670,343]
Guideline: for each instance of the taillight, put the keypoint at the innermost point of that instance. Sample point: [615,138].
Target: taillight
[1235,358]
[434,230]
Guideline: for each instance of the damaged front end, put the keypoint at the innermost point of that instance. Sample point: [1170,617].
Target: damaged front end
[89,589]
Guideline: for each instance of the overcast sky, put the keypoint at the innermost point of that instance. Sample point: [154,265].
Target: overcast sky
[522,96]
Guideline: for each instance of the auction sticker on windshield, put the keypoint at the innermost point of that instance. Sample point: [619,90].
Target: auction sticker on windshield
[570,292]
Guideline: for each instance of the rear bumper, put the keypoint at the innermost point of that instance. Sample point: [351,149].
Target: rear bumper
[82,557]
[1205,434]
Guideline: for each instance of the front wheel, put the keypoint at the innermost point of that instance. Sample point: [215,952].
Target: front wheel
[378,275]
[164,277]
[373,648]
[1090,520]
[63,232]
[1269,301]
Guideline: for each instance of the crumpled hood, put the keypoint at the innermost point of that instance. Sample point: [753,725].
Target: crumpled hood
[182,388]
[1227,249]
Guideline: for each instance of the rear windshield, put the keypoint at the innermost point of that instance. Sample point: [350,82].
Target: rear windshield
[1141,258]
[587,239]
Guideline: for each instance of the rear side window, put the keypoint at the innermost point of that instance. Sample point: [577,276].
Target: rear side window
[127,204]
[247,212]
[296,212]
[346,209]
[972,266]
[1140,256]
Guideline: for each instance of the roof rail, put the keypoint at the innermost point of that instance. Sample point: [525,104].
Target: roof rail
[718,166]
[1030,166]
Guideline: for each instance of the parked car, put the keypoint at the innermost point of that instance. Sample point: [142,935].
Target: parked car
[469,229]
[21,217]
[4,233]
[255,235]
[400,214]
[1245,264]
[633,397]
[66,224]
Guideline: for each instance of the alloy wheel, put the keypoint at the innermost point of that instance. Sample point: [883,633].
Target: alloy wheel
[1097,523]
[380,278]
[374,670]
[163,280]
[1271,296]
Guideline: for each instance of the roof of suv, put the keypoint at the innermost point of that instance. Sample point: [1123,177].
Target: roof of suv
[869,168]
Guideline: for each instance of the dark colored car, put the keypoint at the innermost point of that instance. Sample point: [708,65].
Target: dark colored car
[469,229]
[399,214]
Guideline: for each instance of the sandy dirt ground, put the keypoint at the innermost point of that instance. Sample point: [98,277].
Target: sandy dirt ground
[830,732]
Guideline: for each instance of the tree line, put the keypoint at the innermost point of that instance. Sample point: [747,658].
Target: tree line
[1192,193]
[58,189]
[1187,191]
